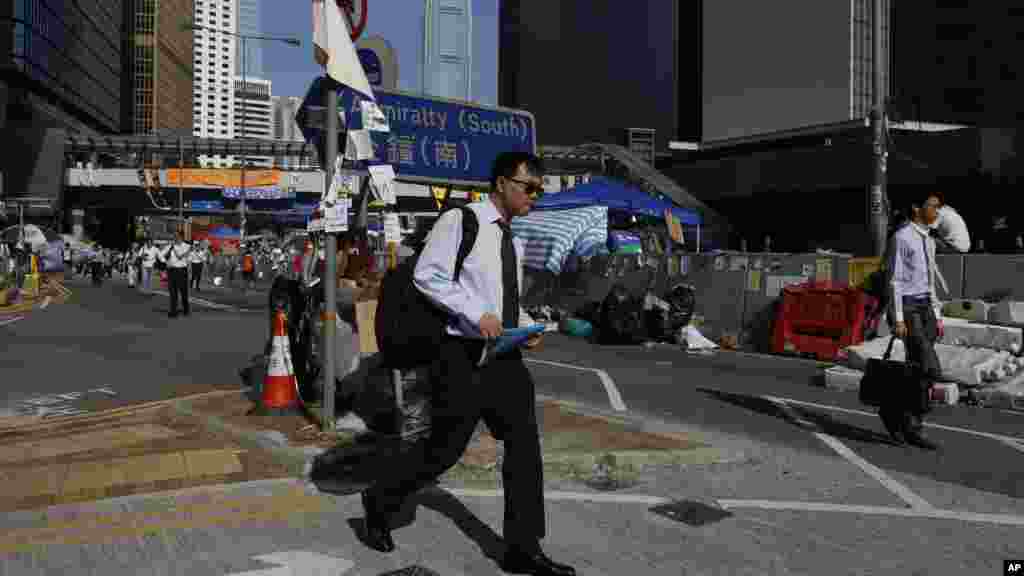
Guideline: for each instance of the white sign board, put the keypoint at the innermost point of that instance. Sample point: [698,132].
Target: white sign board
[392,228]
[336,216]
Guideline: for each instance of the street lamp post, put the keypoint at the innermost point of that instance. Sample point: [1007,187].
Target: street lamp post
[243,37]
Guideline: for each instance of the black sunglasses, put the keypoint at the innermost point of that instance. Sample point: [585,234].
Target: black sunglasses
[532,190]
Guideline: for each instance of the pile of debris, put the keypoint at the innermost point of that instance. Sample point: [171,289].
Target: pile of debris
[980,353]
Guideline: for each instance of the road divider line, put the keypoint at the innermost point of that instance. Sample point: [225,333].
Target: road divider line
[1008,440]
[202,302]
[890,483]
[609,385]
[932,513]
[555,495]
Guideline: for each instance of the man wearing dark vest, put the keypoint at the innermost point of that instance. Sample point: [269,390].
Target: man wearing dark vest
[176,257]
[483,303]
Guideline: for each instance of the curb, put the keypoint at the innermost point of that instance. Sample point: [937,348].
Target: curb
[296,460]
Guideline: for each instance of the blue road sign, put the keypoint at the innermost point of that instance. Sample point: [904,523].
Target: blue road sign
[433,140]
[206,205]
[441,140]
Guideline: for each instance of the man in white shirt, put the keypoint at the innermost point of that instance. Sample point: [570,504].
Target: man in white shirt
[482,303]
[198,257]
[177,257]
[916,311]
[149,256]
[951,231]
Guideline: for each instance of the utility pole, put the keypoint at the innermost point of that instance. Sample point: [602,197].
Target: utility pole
[243,136]
[181,189]
[877,201]
[331,256]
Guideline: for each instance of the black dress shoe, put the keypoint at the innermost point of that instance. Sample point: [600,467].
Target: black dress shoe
[378,534]
[534,563]
[172,315]
[915,438]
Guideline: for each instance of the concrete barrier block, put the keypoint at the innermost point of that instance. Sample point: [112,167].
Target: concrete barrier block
[1007,312]
[960,332]
[974,310]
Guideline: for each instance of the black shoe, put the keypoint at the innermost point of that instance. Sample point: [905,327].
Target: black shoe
[534,563]
[172,315]
[893,426]
[378,534]
[918,439]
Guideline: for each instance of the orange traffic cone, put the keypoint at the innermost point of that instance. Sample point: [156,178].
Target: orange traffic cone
[280,388]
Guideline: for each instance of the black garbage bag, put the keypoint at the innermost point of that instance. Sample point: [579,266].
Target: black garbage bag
[682,300]
[622,318]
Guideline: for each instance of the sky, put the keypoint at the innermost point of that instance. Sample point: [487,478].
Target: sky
[291,70]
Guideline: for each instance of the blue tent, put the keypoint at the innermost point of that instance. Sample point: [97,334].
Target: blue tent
[616,196]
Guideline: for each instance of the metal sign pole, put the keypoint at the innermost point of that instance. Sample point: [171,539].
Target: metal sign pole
[877,204]
[331,268]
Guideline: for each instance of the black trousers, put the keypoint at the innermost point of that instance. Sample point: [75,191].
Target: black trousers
[502,393]
[177,282]
[909,402]
[197,274]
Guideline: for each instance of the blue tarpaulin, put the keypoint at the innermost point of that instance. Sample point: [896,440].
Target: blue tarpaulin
[616,196]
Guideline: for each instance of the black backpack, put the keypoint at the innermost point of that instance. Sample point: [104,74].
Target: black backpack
[408,325]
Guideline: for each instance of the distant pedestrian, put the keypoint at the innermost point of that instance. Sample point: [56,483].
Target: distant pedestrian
[68,261]
[148,258]
[198,257]
[176,256]
[248,269]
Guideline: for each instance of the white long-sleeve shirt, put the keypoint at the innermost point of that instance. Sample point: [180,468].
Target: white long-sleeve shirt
[176,255]
[951,227]
[479,290]
[912,268]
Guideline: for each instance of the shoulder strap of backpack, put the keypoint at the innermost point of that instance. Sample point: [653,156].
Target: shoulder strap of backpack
[470,228]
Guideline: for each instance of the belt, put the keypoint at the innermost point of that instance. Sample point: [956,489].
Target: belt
[917,300]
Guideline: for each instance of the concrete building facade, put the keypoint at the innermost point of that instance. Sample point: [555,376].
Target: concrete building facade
[213,90]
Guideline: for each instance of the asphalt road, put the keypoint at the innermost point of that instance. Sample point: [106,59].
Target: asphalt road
[725,392]
[115,338]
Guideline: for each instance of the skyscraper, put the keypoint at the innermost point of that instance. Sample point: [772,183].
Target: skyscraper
[213,83]
[286,128]
[448,49]
[249,24]
[158,70]
[253,114]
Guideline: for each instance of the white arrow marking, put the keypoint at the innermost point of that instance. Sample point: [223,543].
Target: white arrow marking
[300,563]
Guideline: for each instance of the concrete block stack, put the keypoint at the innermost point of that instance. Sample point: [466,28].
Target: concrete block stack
[980,354]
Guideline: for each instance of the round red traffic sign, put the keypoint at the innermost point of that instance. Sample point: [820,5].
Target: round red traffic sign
[355,13]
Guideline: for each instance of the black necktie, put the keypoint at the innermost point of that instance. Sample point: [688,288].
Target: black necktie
[509,279]
[927,263]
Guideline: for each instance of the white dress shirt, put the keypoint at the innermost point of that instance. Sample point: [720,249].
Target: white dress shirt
[149,256]
[479,289]
[199,255]
[951,227]
[177,255]
[912,266]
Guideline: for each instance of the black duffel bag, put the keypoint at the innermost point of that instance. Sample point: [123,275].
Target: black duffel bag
[887,381]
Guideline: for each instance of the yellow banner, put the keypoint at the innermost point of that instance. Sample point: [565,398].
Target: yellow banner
[222,178]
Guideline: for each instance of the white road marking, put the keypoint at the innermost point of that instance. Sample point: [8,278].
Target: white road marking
[890,483]
[11,320]
[1015,442]
[201,302]
[932,513]
[300,562]
[568,496]
[609,385]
